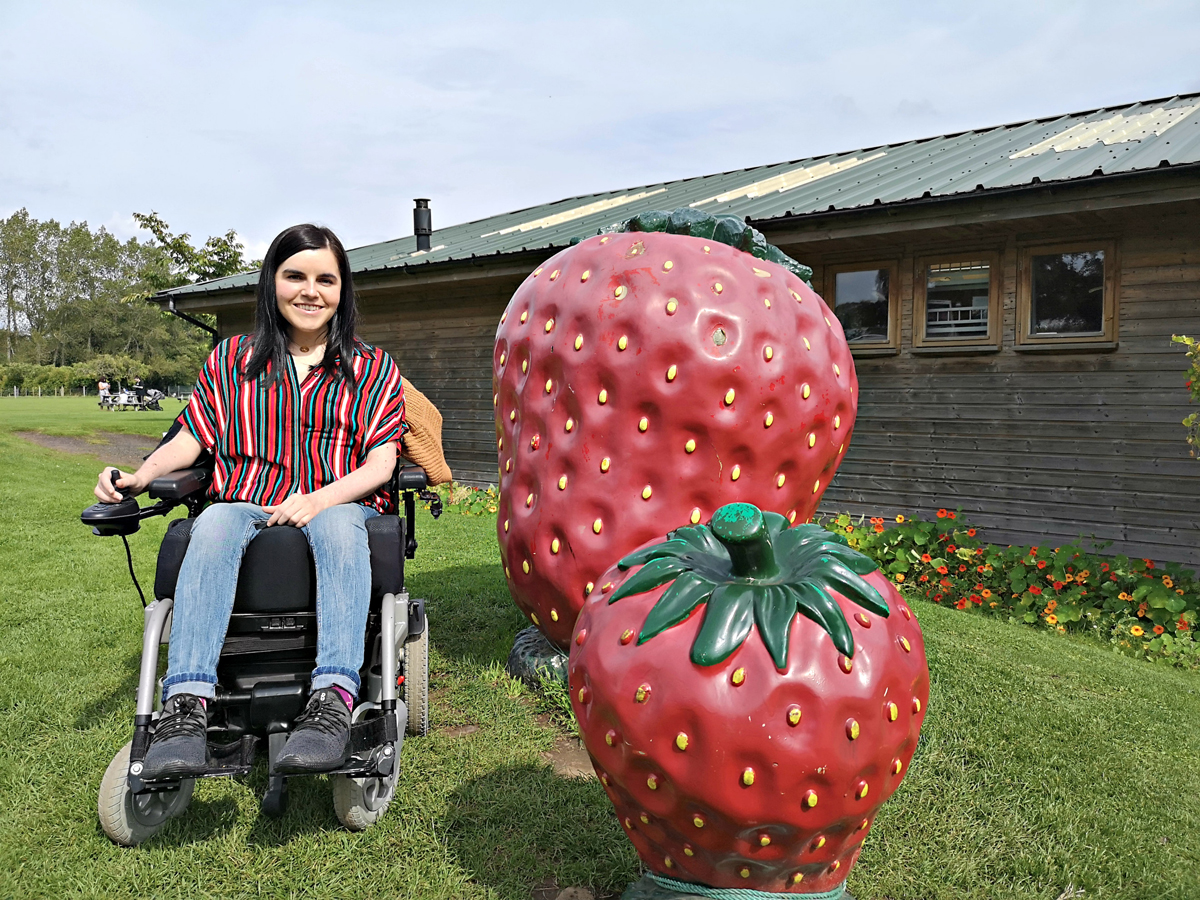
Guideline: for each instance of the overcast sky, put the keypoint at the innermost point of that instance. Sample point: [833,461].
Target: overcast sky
[254,116]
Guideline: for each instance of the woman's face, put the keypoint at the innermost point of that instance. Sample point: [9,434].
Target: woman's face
[308,288]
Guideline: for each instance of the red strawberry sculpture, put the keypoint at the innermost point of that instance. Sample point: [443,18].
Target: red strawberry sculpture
[646,377]
[750,694]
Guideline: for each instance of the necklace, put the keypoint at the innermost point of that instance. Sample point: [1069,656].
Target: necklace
[304,349]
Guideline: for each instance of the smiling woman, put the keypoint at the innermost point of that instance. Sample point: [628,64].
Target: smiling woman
[302,420]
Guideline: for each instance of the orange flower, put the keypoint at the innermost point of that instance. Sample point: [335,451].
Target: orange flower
[1141,609]
[1179,591]
[849,529]
[925,557]
[1123,596]
[942,570]
[1051,606]
[879,529]
[1137,631]
[986,594]
[979,569]
[1182,625]
[1167,582]
[951,515]
[1084,574]
[950,548]
[1052,620]
[923,578]
[900,520]
[1041,564]
[992,604]
[941,514]
[900,577]
[970,532]
[1068,577]
[1158,629]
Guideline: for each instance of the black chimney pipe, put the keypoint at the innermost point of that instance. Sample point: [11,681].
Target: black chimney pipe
[422,223]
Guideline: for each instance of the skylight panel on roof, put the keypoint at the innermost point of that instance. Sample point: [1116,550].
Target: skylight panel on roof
[578,212]
[788,180]
[1117,129]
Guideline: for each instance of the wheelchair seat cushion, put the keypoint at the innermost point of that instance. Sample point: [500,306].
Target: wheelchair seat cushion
[277,570]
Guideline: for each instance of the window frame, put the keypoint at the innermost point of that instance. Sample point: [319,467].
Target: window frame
[871,348]
[990,341]
[1025,338]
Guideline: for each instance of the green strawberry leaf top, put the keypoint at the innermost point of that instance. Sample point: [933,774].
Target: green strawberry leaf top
[729,230]
[749,568]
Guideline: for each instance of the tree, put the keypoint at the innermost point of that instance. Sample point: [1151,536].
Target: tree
[218,257]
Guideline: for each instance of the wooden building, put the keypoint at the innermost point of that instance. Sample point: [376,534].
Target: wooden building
[1010,294]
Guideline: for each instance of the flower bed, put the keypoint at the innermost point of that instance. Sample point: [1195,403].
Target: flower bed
[1143,609]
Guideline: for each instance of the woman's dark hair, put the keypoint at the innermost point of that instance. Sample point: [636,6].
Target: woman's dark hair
[270,341]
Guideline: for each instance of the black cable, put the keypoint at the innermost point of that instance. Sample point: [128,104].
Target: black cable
[129,556]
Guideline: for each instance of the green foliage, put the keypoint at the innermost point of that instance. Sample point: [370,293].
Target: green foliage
[466,500]
[1143,609]
[1192,421]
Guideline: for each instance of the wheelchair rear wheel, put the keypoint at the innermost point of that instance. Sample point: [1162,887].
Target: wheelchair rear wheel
[416,683]
[129,820]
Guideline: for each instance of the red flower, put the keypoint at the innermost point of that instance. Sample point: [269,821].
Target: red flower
[975,598]
[925,557]
[962,568]
[970,532]
[961,604]
[1035,590]
[945,582]
[979,568]
[923,578]
[1158,629]
[951,515]
[942,570]
[937,598]
[1041,564]
[879,529]
[1103,567]
[1112,577]
[950,548]
[1149,563]
[1033,551]
[941,514]
[1058,585]
[1182,625]
[979,551]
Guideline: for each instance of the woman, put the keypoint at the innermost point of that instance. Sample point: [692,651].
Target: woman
[302,419]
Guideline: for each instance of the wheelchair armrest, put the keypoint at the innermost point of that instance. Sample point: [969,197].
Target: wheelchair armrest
[180,484]
[411,478]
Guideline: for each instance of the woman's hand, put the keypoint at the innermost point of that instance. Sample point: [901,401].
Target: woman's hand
[105,491]
[298,509]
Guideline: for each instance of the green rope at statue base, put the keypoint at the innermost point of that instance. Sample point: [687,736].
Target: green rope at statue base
[701,890]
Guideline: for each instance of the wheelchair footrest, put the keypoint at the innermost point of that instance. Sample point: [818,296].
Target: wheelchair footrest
[224,760]
[372,748]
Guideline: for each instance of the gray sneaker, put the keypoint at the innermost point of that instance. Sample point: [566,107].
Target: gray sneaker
[321,739]
[179,746]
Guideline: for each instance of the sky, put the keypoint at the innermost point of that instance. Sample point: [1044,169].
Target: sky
[255,116]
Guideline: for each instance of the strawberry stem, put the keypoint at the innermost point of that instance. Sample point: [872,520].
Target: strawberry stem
[741,528]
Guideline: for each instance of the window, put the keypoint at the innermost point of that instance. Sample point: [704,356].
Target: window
[864,300]
[956,301]
[1067,295]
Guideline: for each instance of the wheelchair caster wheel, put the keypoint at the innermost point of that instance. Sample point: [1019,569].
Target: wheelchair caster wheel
[130,819]
[275,800]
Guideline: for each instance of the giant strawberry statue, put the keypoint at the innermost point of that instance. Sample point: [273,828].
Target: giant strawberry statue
[645,377]
[750,694]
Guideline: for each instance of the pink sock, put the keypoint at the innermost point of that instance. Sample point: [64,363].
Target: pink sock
[345,695]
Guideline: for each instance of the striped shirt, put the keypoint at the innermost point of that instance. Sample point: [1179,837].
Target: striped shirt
[292,437]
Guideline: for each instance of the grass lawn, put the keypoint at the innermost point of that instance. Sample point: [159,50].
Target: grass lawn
[1045,762]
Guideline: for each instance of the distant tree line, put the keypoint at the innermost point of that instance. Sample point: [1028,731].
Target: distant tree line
[75,303]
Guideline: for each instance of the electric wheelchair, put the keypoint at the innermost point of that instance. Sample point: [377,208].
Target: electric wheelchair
[269,653]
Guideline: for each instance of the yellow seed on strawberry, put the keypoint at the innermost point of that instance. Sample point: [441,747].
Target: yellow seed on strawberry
[807,345]
[827,322]
[768,420]
[698,821]
[896,766]
[604,464]
[681,741]
[554,274]
[739,675]
[863,788]
[587,588]
[764,840]
[554,547]
[645,819]
[622,342]
[629,823]
[852,729]
[554,612]
[652,782]
[578,341]
[797,877]
[837,371]
[891,712]
[529,500]
[916,704]
[503,356]
[620,292]
[805,391]
[695,516]
[820,843]
[587,273]
[794,715]
[672,305]
[688,851]
[549,325]
[690,446]
[597,526]
[837,421]
[837,864]
[791,517]
[499,443]
[816,485]
[905,644]
[506,572]
[671,373]
[605,240]
[626,636]
[862,826]
[768,353]
[810,800]
[668,266]
[503,316]
[668,862]
[495,399]
[562,482]
[717,287]
[812,439]
[647,491]
[780,480]
[508,465]
[729,397]
[747,776]
[706,248]
[735,473]
[525,566]
[524,365]
[506,524]
[744,871]
[643,423]
[904,611]
[766,302]
[603,397]
[583,695]
[609,737]
[549,385]
[512,416]
[533,617]
[524,316]
[642,694]
[570,424]
[760,273]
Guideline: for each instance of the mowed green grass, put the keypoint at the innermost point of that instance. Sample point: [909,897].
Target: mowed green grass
[1044,762]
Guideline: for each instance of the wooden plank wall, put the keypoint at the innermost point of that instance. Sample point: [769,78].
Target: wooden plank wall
[1039,448]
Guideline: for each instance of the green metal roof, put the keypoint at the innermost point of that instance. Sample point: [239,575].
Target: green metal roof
[1109,141]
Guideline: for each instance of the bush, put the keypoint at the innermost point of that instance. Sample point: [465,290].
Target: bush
[1144,609]
[468,501]
[1192,421]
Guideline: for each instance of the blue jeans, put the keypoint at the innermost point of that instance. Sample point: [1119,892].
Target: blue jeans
[207,585]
